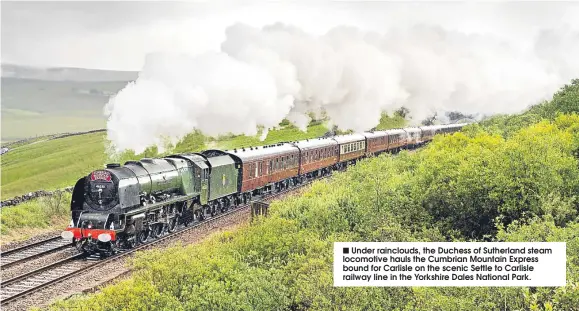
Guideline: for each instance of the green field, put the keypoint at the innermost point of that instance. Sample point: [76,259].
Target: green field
[36,107]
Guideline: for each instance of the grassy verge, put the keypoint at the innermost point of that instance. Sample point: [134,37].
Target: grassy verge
[35,217]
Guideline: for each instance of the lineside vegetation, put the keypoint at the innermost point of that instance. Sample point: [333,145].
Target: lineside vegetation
[512,178]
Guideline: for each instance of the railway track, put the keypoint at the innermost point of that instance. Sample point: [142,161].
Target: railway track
[34,250]
[28,283]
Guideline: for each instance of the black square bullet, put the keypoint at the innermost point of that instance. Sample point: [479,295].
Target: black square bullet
[346,250]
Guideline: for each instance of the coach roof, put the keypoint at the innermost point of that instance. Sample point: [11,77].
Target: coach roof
[254,153]
[315,143]
[344,139]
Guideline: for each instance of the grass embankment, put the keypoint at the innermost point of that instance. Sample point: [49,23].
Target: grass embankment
[474,185]
[35,217]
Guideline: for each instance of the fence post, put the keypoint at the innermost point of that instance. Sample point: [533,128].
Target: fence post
[258,208]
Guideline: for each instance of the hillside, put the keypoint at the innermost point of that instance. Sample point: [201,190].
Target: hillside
[66,74]
[37,101]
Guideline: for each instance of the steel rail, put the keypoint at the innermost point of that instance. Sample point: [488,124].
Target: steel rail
[31,251]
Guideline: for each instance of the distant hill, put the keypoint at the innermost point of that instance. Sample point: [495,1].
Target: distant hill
[66,74]
[42,101]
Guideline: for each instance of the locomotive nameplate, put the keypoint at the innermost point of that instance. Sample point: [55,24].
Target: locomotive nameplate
[101,175]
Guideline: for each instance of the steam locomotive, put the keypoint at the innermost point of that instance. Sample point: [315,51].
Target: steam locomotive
[119,207]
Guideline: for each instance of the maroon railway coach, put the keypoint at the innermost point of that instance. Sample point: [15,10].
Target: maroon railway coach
[376,142]
[265,166]
[413,136]
[351,147]
[396,139]
[317,156]
[428,132]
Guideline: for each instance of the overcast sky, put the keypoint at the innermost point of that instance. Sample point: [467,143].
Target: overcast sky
[118,35]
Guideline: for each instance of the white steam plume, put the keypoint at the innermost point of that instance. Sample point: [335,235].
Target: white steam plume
[264,75]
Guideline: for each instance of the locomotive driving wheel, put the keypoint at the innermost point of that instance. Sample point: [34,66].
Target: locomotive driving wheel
[143,236]
[157,230]
[173,224]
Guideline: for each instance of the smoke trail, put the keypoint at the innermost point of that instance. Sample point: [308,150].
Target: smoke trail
[264,75]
